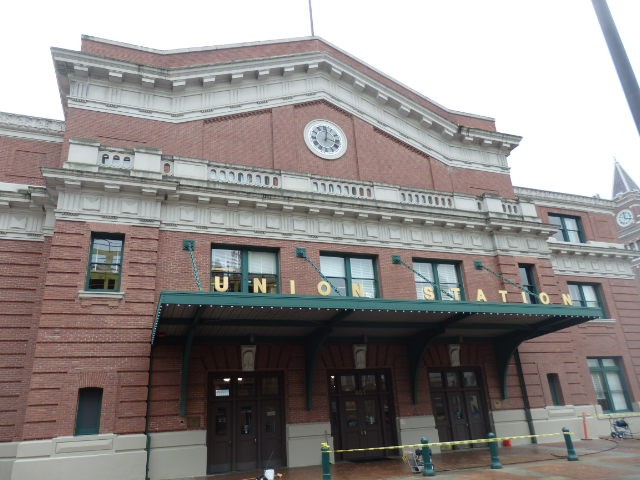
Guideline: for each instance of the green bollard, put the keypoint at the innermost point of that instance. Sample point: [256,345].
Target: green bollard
[493,449]
[427,469]
[326,463]
[571,452]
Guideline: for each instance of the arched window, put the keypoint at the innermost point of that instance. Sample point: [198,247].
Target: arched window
[126,162]
[105,159]
[116,160]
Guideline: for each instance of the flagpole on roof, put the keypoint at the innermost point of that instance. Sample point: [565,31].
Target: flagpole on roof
[311,19]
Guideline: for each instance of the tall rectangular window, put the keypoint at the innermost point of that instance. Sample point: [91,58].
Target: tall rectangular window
[528,281]
[88,411]
[444,280]
[105,262]
[351,275]
[244,270]
[554,387]
[570,228]
[609,384]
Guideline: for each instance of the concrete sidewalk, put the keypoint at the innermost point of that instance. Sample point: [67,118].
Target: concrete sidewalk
[599,460]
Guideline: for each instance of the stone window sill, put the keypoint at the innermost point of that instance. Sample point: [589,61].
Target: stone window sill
[98,294]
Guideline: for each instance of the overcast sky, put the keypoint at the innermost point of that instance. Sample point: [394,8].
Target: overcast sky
[539,67]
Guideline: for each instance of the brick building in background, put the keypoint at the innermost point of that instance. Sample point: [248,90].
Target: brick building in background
[278,245]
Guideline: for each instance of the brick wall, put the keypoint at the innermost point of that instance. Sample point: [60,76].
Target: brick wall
[93,342]
[273,138]
[21,159]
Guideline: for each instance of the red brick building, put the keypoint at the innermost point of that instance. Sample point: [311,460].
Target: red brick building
[225,256]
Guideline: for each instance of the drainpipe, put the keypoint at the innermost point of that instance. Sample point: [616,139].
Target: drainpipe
[148,416]
[525,396]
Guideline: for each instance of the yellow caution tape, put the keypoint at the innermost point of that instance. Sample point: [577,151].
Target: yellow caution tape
[617,415]
[440,444]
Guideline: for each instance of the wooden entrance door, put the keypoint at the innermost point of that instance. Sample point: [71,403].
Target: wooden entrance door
[361,412]
[245,422]
[457,398]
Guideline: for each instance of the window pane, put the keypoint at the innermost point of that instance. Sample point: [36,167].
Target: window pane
[340,284]
[246,387]
[424,269]
[447,274]
[573,235]
[348,383]
[270,386]
[105,263]
[223,260]
[469,379]
[608,362]
[592,362]
[361,268]
[368,383]
[368,286]
[571,224]
[435,379]
[619,401]
[598,385]
[576,298]
[88,413]
[590,297]
[613,379]
[332,266]
[262,262]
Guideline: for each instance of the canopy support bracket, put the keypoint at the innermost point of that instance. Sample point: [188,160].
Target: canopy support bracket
[416,349]
[312,346]
[186,361]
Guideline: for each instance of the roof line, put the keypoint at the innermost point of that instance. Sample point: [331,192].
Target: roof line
[284,40]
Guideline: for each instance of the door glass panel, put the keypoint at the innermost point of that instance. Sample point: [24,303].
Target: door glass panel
[270,386]
[246,420]
[435,379]
[351,413]
[439,408]
[456,406]
[370,412]
[221,421]
[474,405]
[383,382]
[348,383]
[246,387]
[452,379]
[386,411]
[270,419]
[368,383]
[222,387]
[469,379]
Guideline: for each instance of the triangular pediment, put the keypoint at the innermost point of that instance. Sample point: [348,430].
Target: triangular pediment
[236,84]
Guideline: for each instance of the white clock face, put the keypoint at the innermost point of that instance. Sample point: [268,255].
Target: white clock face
[325,139]
[624,218]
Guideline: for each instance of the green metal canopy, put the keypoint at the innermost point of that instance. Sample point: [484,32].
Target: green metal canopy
[312,321]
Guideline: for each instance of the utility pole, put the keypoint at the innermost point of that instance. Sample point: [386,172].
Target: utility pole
[620,59]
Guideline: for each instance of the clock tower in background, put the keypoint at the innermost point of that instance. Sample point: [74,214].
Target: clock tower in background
[626,195]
